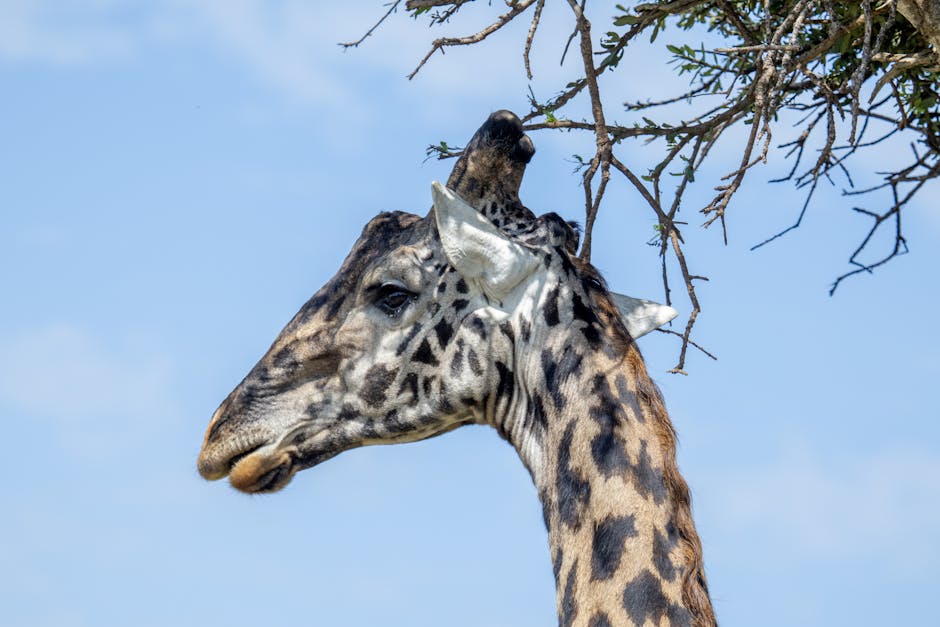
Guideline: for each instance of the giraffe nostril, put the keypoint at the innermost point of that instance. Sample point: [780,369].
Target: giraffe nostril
[214,429]
[216,422]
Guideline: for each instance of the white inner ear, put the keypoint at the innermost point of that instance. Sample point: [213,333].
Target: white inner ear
[642,316]
[476,248]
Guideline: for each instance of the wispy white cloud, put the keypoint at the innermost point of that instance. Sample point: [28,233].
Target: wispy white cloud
[289,44]
[90,394]
[60,33]
[282,42]
[828,507]
[293,45]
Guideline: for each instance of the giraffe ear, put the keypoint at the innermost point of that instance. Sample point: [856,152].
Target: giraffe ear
[642,316]
[476,248]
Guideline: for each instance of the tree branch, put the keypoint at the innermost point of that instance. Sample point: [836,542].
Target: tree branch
[444,42]
[355,44]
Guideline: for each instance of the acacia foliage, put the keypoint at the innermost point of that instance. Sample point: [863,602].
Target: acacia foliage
[854,74]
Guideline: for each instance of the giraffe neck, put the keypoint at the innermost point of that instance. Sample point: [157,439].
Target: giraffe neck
[591,427]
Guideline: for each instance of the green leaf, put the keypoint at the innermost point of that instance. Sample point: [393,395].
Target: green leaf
[626,20]
[655,33]
[844,44]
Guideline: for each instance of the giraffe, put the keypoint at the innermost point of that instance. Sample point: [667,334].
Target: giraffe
[480,312]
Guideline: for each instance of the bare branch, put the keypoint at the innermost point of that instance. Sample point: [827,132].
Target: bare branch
[445,42]
[531,35]
[759,48]
[691,343]
[902,63]
[779,57]
[355,44]
[602,157]
[411,5]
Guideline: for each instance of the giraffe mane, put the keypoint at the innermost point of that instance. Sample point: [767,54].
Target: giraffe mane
[694,586]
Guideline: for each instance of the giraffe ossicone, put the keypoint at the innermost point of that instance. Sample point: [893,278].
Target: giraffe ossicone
[481,313]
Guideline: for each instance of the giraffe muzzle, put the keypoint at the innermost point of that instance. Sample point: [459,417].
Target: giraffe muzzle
[503,130]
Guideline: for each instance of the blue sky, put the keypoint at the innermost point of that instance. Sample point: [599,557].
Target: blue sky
[178,177]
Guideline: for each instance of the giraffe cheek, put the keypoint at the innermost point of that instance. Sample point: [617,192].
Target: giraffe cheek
[355,332]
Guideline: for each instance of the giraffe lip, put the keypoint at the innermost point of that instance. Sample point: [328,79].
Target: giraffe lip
[263,470]
[213,468]
[268,471]
[233,461]
[271,480]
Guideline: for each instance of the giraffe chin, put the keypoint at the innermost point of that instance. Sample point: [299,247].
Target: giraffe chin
[264,471]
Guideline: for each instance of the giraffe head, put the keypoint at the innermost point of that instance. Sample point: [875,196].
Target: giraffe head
[416,333]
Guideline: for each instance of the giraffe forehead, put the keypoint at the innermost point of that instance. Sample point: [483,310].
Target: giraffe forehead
[408,263]
[383,234]
[384,237]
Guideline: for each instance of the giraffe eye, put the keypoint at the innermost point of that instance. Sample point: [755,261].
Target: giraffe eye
[392,298]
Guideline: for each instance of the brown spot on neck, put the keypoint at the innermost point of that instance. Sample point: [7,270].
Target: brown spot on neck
[617,507]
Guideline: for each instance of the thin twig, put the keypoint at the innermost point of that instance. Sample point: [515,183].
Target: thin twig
[355,44]
[446,42]
[531,35]
[691,343]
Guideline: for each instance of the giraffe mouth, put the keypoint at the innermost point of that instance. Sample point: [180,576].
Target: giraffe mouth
[265,472]
[261,470]
[258,468]
[270,467]
[237,458]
